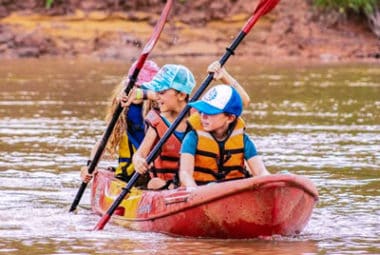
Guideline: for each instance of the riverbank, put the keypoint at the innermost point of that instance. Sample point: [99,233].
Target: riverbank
[298,33]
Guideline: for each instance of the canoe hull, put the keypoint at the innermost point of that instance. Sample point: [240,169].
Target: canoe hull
[248,208]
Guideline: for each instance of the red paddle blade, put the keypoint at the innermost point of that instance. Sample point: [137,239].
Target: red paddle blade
[153,39]
[262,8]
[266,6]
[155,35]
[102,222]
[158,28]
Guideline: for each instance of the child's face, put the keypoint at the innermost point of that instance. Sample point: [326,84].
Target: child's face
[167,100]
[216,122]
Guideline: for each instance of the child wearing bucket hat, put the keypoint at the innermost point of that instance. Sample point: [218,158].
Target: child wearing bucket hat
[129,130]
[217,148]
[173,85]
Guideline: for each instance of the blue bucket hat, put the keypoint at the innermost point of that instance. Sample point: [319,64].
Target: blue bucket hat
[172,76]
[220,99]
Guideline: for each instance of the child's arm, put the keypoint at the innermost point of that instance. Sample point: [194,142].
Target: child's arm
[254,162]
[136,96]
[220,73]
[187,160]
[139,158]
[256,166]
[186,170]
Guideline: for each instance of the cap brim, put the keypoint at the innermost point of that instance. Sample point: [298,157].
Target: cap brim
[152,85]
[206,108]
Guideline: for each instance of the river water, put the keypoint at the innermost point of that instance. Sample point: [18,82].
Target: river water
[320,121]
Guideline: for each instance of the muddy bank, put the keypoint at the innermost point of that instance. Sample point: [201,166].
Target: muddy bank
[119,29]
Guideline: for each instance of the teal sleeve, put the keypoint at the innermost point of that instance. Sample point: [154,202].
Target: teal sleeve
[249,148]
[189,143]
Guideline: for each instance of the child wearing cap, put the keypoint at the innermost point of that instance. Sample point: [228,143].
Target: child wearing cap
[173,85]
[129,130]
[221,74]
[217,148]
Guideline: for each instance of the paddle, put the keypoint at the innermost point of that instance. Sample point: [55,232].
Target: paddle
[262,8]
[132,79]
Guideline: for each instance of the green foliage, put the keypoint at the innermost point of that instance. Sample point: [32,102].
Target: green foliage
[48,4]
[366,6]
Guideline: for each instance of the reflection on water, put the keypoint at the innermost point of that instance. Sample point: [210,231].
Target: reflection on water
[319,121]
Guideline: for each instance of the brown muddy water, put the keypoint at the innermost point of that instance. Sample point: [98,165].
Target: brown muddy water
[321,121]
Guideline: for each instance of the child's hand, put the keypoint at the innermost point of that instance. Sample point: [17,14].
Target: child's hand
[140,164]
[124,101]
[85,176]
[135,96]
[216,69]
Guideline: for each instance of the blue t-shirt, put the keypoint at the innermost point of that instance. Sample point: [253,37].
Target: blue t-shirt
[178,134]
[135,124]
[190,141]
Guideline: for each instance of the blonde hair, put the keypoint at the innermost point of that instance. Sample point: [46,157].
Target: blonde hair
[121,124]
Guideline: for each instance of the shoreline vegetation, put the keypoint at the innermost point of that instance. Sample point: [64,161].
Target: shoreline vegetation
[116,30]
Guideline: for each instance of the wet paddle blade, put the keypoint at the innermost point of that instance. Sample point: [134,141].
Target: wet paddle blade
[153,39]
[262,8]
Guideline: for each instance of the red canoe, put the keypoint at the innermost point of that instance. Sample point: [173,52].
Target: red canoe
[279,204]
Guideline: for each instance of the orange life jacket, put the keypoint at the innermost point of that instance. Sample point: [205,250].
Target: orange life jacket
[218,161]
[166,165]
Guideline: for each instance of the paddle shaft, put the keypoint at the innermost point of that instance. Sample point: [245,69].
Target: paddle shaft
[100,149]
[264,7]
[132,80]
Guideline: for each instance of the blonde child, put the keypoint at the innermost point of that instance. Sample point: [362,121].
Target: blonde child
[129,130]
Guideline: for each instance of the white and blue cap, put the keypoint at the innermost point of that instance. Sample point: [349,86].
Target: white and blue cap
[220,99]
[172,76]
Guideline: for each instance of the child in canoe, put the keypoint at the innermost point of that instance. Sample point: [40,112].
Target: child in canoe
[173,85]
[217,148]
[129,130]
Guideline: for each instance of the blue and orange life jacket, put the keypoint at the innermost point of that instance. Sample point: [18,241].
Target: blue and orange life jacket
[215,160]
[166,165]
